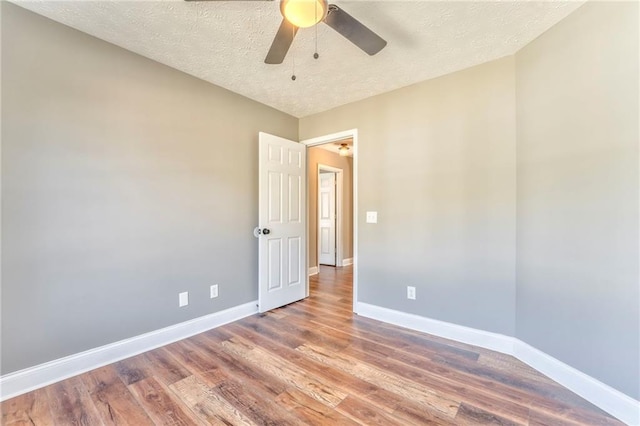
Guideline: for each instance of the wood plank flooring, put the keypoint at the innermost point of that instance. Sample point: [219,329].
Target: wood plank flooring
[312,362]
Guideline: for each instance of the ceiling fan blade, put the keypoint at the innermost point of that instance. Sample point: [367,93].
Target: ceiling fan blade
[281,43]
[354,31]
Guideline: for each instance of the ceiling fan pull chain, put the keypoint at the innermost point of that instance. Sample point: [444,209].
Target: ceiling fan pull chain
[315,54]
[293,61]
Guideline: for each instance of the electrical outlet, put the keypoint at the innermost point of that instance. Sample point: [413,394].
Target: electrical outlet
[213,291]
[411,293]
[183,299]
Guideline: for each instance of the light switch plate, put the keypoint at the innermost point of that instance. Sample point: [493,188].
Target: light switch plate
[372,217]
[183,299]
[411,292]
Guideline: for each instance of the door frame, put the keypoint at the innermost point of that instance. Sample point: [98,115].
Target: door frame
[338,212]
[321,140]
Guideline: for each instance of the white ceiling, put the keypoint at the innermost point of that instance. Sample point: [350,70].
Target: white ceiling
[225,42]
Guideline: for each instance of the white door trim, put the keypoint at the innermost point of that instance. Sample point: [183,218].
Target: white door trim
[339,195]
[353,134]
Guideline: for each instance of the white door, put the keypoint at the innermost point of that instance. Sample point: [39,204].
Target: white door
[327,218]
[282,221]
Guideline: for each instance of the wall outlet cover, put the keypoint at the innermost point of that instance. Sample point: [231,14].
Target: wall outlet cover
[213,291]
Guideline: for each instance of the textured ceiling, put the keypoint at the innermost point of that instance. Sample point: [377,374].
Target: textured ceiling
[225,42]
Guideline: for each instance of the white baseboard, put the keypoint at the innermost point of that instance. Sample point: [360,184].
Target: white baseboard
[348,261]
[471,336]
[313,270]
[32,378]
[605,397]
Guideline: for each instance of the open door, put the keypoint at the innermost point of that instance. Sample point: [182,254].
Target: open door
[282,261]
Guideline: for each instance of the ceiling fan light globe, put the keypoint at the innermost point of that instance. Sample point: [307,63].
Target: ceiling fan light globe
[304,13]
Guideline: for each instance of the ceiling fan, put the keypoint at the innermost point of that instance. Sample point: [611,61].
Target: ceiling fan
[307,13]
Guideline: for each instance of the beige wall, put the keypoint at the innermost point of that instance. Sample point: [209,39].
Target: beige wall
[322,156]
[578,297]
[124,182]
[437,162]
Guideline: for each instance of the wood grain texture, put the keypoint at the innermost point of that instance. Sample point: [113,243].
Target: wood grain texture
[311,362]
[114,402]
[162,405]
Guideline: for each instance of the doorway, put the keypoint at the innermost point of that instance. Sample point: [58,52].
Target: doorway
[332,226]
[330,221]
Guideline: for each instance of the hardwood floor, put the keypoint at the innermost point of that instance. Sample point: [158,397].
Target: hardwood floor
[311,362]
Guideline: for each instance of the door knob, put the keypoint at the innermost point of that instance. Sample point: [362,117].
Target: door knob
[257,232]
